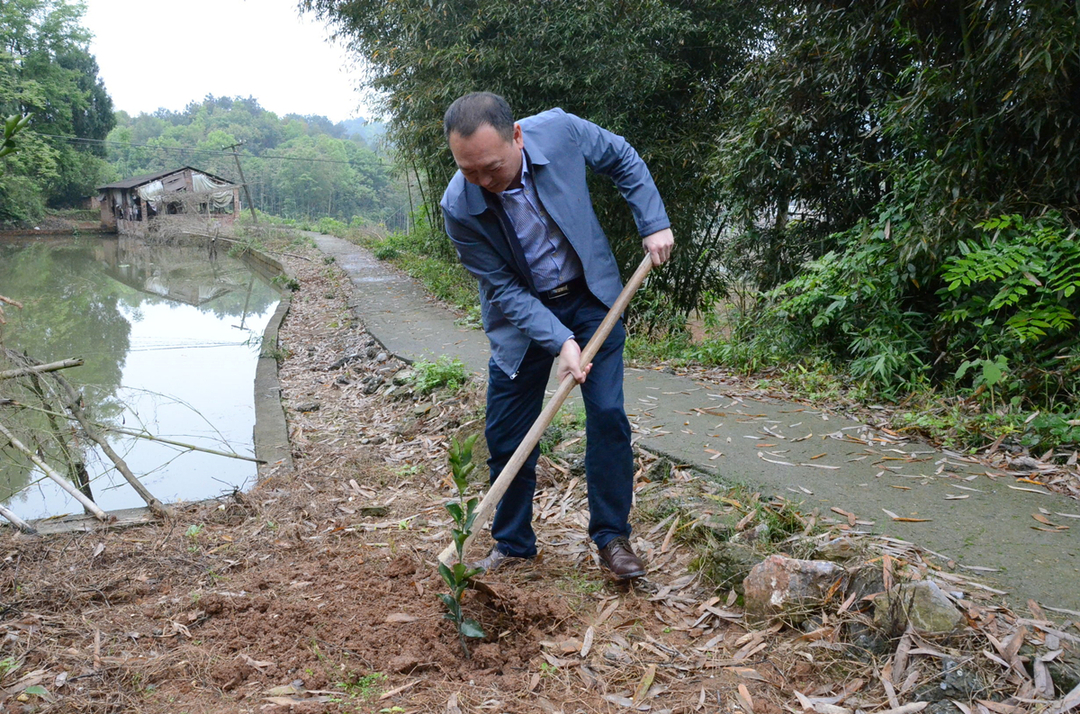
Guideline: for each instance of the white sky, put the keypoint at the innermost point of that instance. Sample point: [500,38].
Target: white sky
[158,53]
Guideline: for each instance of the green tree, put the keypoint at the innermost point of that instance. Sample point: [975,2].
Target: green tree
[296,166]
[46,69]
[884,154]
[961,110]
[650,70]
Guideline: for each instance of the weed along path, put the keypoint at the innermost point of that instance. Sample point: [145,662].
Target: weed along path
[317,591]
[994,522]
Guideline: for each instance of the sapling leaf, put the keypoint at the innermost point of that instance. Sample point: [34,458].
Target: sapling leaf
[455,512]
[447,575]
[451,605]
[471,628]
[467,447]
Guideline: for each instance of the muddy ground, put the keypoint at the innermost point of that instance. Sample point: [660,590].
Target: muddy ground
[316,591]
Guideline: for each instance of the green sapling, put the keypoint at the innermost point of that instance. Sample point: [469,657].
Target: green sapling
[459,575]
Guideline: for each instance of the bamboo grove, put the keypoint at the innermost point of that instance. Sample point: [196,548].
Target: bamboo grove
[898,181]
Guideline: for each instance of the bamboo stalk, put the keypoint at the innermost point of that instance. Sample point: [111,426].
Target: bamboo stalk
[142,434]
[74,406]
[17,522]
[39,368]
[170,442]
[487,506]
[90,506]
[76,467]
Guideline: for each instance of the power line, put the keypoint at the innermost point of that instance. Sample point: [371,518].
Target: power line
[188,150]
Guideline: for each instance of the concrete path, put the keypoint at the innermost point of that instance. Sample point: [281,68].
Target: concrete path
[975,516]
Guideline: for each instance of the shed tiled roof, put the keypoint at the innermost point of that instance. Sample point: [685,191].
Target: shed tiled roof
[147,178]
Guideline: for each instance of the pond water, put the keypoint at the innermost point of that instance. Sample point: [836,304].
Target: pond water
[170,338]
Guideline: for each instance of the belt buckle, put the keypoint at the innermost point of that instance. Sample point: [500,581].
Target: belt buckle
[559,291]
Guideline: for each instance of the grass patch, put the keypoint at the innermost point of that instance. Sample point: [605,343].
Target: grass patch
[566,424]
[675,346]
[443,373]
[729,530]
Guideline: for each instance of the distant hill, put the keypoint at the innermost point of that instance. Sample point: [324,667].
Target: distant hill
[370,131]
[296,166]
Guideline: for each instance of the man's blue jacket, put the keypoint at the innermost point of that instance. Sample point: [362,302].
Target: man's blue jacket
[559,146]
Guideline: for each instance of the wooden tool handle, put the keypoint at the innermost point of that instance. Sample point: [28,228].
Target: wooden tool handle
[532,438]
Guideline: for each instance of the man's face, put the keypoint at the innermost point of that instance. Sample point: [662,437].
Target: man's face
[488,160]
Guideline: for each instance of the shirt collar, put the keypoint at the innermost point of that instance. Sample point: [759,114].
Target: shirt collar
[525,175]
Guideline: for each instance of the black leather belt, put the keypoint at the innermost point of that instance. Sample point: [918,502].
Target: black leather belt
[572,287]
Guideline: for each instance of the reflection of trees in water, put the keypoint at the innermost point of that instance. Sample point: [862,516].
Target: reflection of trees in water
[75,295]
[68,311]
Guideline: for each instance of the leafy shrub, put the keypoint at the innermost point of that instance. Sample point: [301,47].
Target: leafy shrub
[443,372]
[332,226]
[852,304]
[1011,301]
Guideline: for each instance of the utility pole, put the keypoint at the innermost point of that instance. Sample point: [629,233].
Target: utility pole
[243,181]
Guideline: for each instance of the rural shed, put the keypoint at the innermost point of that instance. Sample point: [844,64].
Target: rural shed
[144,204]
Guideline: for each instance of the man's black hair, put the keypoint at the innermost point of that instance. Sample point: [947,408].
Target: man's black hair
[471,111]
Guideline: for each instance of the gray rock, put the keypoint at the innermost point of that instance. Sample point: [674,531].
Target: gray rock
[722,525]
[788,587]
[811,623]
[866,579]
[1023,463]
[842,548]
[728,564]
[922,604]
[757,534]
[346,360]
[616,654]
[864,642]
[308,407]
[957,682]
[1064,669]
[382,357]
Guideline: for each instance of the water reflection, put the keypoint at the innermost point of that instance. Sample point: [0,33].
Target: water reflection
[169,336]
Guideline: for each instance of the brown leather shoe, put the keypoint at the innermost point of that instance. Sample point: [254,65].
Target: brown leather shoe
[618,557]
[496,559]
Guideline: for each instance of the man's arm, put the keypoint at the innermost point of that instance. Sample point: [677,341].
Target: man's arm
[612,155]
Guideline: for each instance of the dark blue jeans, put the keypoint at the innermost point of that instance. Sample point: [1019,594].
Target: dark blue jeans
[514,404]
